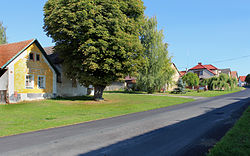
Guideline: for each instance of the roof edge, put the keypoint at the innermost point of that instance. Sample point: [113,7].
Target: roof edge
[14,57]
[46,56]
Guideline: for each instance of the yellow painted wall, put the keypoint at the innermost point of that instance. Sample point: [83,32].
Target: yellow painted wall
[175,78]
[25,66]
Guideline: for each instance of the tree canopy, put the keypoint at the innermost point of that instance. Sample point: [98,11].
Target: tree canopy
[191,79]
[97,39]
[3,38]
[156,71]
[223,82]
[248,79]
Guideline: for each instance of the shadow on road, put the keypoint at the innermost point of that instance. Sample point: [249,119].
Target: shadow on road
[194,136]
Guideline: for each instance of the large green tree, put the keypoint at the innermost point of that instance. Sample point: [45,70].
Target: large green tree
[156,71]
[191,79]
[3,38]
[97,39]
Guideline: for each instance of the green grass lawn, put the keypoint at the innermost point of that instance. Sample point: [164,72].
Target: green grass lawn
[209,93]
[36,115]
[237,141]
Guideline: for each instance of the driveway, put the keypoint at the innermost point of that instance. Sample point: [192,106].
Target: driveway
[185,129]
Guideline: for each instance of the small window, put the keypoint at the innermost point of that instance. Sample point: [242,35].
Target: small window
[29,81]
[37,57]
[31,56]
[41,82]
[201,72]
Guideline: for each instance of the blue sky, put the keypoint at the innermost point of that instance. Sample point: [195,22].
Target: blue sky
[209,31]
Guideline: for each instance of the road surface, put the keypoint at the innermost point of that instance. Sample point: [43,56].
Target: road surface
[186,129]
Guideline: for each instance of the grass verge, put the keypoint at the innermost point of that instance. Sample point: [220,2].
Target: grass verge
[209,93]
[236,142]
[37,115]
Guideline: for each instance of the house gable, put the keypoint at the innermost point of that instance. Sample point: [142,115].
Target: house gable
[30,73]
[24,66]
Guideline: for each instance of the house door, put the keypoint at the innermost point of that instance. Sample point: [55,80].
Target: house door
[2,96]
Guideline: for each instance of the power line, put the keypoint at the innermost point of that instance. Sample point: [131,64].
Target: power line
[231,59]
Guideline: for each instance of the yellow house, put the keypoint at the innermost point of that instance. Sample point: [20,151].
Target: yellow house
[26,73]
[175,78]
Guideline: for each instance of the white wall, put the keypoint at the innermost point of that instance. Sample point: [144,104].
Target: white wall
[115,86]
[65,88]
[4,81]
[206,73]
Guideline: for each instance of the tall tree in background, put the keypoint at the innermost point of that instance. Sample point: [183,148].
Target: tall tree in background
[157,71]
[3,38]
[97,39]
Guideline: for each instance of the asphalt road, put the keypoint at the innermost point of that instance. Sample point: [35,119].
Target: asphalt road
[186,129]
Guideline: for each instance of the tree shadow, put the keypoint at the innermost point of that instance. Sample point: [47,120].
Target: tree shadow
[76,98]
[164,141]
[126,92]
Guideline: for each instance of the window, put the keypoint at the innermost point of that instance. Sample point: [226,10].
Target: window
[29,81]
[41,82]
[31,56]
[201,72]
[37,57]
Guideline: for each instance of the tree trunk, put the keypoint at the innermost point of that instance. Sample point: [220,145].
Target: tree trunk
[98,92]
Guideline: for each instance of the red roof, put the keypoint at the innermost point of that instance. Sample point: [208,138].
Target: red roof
[242,78]
[201,66]
[209,67]
[234,74]
[182,73]
[8,51]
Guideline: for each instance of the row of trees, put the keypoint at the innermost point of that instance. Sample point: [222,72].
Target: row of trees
[102,41]
[222,82]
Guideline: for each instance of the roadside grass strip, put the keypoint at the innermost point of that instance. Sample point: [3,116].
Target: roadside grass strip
[36,115]
[236,142]
[209,93]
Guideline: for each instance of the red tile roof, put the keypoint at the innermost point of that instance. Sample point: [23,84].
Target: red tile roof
[234,74]
[201,66]
[209,67]
[8,51]
[242,78]
[182,73]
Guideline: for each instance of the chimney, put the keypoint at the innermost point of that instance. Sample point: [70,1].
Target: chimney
[199,63]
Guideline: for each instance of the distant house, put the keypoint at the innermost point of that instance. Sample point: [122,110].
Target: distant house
[175,78]
[130,81]
[26,73]
[116,86]
[204,71]
[182,73]
[225,71]
[242,81]
[65,87]
[234,74]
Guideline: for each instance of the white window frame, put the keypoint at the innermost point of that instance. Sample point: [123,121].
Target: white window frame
[44,83]
[32,81]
